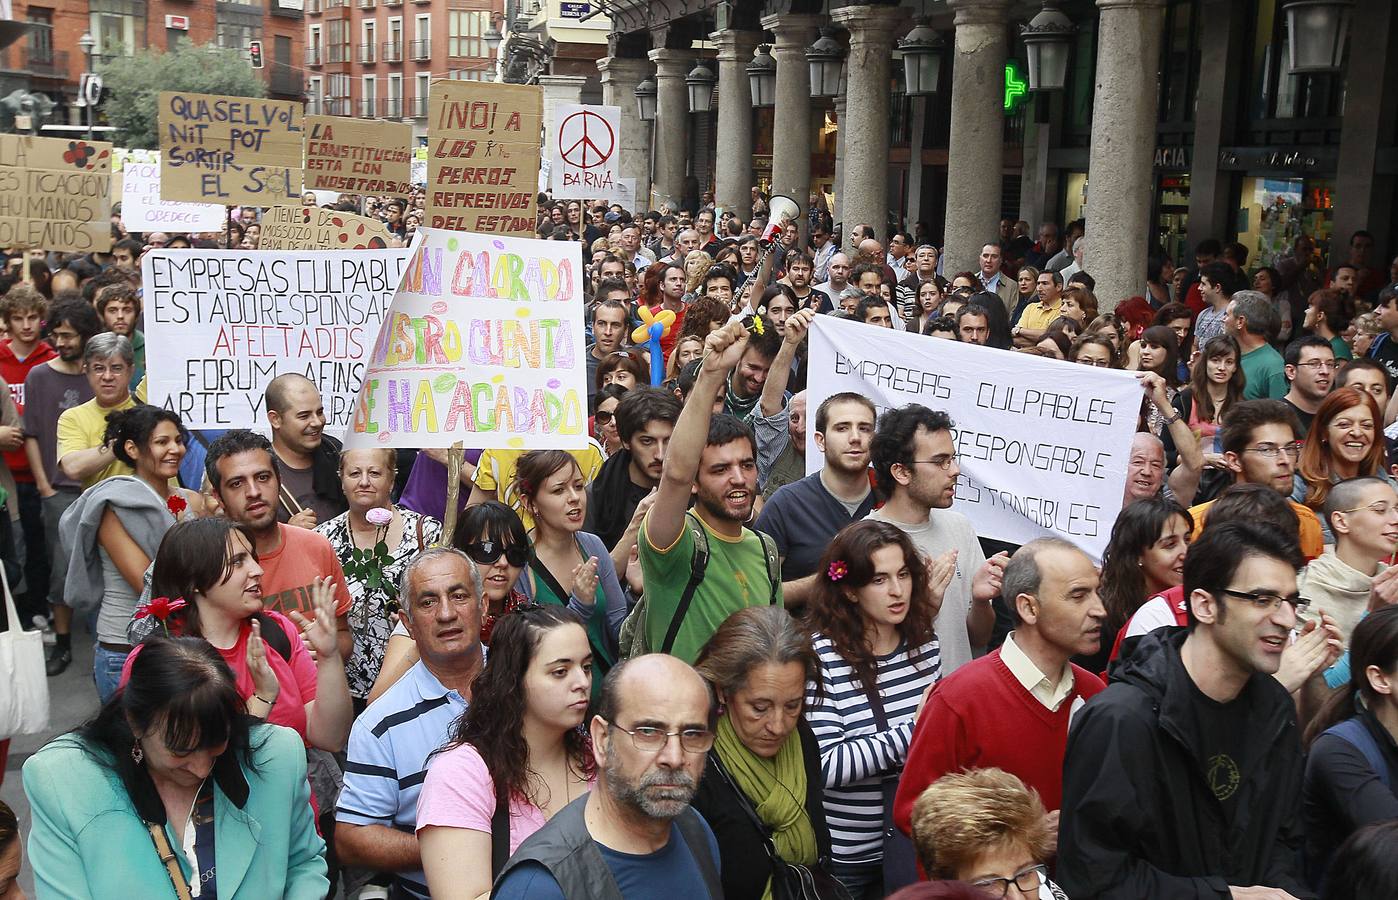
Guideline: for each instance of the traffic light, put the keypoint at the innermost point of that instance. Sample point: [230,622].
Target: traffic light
[255,53]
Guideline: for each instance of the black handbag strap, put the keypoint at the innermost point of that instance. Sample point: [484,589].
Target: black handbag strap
[499,837]
[876,707]
[747,807]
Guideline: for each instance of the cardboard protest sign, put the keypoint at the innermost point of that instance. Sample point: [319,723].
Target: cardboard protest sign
[55,194]
[583,150]
[313,228]
[483,156]
[229,150]
[143,210]
[1042,444]
[483,344]
[358,156]
[229,321]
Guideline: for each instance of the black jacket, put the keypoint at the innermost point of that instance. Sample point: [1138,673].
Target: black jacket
[745,866]
[1343,793]
[1139,818]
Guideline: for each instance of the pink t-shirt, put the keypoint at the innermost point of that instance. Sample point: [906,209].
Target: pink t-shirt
[296,675]
[459,793]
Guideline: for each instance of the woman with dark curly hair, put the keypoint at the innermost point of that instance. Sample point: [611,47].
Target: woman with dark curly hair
[518,747]
[871,611]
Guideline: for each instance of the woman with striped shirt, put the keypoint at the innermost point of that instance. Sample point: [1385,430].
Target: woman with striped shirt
[872,610]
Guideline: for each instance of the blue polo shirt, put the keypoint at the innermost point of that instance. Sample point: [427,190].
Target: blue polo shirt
[803,517]
[387,757]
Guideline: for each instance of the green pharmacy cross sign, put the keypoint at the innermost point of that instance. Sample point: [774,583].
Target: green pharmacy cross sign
[1016,88]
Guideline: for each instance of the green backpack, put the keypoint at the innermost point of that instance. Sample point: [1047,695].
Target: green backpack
[633,639]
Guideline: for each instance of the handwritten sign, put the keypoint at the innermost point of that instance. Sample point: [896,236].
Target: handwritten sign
[55,194]
[483,156]
[358,156]
[583,150]
[229,150]
[1043,445]
[483,344]
[143,210]
[229,321]
[313,228]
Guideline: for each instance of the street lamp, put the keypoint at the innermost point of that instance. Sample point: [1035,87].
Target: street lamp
[701,83]
[1316,32]
[922,59]
[827,61]
[762,77]
[87,43]
[493,38]
[645,100]
[1046,40]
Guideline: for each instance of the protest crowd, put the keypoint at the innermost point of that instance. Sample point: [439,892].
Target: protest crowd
[687,659]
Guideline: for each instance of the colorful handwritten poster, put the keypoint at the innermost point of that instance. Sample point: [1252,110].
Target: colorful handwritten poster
[55,194]
[483,344]
[483,144]
[234,151]
[358,156]
[229,321]
[313,228]
[143,210]
[583,150]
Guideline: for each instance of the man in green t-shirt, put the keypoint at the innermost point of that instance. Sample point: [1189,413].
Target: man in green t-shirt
[714,459]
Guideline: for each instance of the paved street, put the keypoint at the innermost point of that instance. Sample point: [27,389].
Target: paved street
[72,700]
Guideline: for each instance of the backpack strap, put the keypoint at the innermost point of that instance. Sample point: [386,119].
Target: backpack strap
[698,562]
[499,837]
[1354,732]
[698,843]
[774,565]
[274,635]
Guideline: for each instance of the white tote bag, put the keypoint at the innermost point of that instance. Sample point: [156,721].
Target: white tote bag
[24,686]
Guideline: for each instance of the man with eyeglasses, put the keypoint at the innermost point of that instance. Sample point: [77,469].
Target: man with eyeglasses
[914,459]
[1261,445]
[1310,367]
[1183,778]
[634,835]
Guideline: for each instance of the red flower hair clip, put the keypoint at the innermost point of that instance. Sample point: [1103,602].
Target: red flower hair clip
[837,570]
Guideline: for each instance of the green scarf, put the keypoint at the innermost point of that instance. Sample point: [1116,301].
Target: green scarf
[777,790]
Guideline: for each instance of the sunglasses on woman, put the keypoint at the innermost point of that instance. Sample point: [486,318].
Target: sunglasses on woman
[486,553]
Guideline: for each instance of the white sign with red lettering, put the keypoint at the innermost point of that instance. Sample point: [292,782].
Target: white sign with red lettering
[583,150]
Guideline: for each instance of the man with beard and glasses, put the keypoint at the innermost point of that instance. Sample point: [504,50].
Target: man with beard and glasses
[634,835]
[804,516]
[1183,778]
[712,459]
[1310,367]
[309,458]
[645,419]
[52,389]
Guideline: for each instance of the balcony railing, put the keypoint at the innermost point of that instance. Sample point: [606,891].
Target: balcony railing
[417,108]
[45,62]
[337,106]
[366,108]
[392,2]
[392,51]
[366,53]
[421,50]
[313,56]
[286,81]
[392,108]
[337,53]
[366,4]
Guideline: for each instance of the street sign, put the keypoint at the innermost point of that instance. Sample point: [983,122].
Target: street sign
[92,91]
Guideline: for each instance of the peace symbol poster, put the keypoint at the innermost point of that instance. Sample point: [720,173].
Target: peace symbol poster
[583,150]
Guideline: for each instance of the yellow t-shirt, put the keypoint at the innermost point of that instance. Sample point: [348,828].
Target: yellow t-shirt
[1036,317]
[496,472]
[83,427]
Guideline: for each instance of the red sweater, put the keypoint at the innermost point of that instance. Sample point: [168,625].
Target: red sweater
[14,370]
[980,717]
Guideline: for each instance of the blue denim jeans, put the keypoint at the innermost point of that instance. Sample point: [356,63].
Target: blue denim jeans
[106,671]
[864,881]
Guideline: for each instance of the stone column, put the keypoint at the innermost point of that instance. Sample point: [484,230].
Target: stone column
[975,148]
[620,75]
[671,125]
[1363,194]
[872,30]
[791,126]
[1122,156]
[733,164]
[841,129]
[559,89]
[1215,114]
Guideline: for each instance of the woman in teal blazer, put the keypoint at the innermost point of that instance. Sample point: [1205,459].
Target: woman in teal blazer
[173,759]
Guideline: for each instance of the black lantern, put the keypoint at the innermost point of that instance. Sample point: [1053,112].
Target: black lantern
[645,100]
[922,59]
[1316,31]
[827,61]
[701,83]
[762,77]
[1046,41]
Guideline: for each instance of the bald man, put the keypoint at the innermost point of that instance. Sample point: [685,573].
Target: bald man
[1145,471]
[308,458]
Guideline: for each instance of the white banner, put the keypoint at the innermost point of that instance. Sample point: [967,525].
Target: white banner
[1043,445]
[224,323]
[143,210]
[582,150]
[484,344]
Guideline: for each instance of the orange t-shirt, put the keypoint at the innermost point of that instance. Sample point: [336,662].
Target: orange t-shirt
[1312,538]
[288,573]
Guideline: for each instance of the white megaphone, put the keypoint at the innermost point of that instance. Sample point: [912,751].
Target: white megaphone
[782,209]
